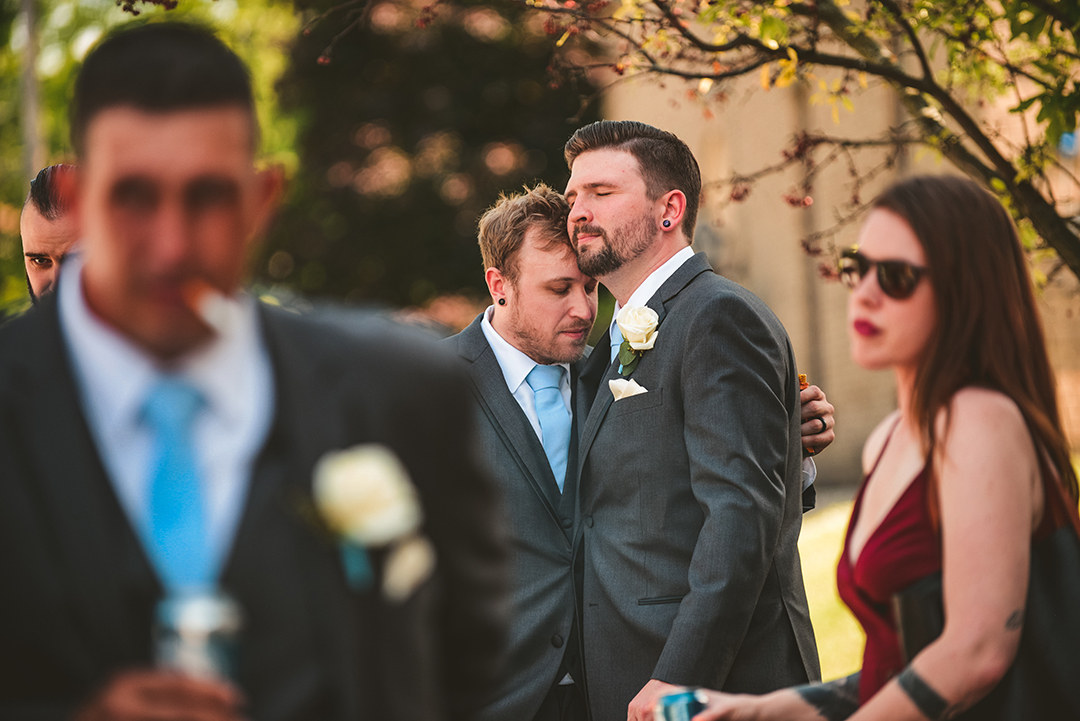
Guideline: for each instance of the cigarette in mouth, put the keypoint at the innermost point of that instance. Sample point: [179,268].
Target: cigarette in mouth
[213,307]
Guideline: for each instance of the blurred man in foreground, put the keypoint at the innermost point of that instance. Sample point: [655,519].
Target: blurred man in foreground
[47,228]
[193,422]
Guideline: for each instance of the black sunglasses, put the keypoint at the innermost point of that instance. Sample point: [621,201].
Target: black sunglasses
[896,278]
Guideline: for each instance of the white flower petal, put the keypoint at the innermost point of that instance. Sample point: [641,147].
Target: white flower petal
[637,323]
[407,567]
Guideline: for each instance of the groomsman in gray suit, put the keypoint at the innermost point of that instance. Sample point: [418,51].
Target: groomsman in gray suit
[521,354]
[690,483]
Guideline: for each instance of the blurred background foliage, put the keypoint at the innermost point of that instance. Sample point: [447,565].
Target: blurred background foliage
[412,126]
[394,142]
[260,31]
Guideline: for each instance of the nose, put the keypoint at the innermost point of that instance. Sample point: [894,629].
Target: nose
[583,306]
[579,212]
[49,277]
[867,292]
[170,242]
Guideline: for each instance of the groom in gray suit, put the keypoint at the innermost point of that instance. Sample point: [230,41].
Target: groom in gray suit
[690,489]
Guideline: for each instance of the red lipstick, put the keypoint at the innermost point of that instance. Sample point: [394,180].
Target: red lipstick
[865,328]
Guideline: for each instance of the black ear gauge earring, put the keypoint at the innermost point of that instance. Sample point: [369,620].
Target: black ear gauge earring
[667,223]
[502,301]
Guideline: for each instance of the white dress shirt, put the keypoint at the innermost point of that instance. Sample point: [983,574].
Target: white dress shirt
[515,367]
[114,377]
[644,292]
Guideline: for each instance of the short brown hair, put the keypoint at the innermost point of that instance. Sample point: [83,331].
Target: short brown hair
[502,228]
[665,162]
[159,68]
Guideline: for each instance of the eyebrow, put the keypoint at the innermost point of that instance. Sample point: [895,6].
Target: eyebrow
[594,185]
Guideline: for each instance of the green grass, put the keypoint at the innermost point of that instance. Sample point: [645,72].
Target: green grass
[840,640]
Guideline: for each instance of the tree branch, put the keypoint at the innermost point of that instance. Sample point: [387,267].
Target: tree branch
[913,37]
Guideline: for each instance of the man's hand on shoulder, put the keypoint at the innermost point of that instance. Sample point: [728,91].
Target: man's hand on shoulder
[641,708]
[818,423]
[148,694]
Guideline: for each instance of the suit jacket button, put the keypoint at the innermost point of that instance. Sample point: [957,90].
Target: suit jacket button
[588,521]
[556,641]
[567,522]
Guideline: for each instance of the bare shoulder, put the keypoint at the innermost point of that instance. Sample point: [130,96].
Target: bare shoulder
[875,442]
[986,429]
[983,416]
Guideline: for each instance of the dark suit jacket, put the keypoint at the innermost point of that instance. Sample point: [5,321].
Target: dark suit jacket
[541,528]
[79,593]
[691,504]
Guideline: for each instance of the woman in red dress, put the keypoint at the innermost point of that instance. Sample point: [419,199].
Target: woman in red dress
[940,293]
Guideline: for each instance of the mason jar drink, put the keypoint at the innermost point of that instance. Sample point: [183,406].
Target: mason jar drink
[198,633]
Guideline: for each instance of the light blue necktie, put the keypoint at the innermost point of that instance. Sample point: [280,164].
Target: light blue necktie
[616,341]
[554,417]
[176,528]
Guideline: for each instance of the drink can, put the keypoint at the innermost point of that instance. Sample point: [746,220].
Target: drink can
[198,634]
[681,706]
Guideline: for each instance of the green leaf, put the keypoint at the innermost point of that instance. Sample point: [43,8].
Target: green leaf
[628,368]
[773,29]
[1025,105]
[627,354]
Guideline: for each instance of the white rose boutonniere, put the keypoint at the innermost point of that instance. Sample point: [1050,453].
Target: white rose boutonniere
[639,329]
[365,496]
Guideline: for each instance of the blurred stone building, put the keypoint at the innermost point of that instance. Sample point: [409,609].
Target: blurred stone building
[756,242]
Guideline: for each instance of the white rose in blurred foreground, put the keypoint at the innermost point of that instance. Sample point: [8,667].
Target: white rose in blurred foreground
[365,495]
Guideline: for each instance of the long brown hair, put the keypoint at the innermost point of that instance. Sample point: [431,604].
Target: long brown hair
[988,332]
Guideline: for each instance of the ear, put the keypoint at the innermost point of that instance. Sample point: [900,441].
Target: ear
[70,185]
[269,187]
[673,204]
[497,284]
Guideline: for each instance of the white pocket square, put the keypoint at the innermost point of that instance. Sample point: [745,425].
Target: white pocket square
[624,388]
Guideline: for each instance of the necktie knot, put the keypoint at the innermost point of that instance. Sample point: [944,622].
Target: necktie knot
[541,377]
[171,405]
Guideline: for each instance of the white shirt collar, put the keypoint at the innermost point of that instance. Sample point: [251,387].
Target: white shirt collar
[115,374]
[515,365]
[644,292]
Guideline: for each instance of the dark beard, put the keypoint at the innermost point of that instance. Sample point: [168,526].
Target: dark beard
[603,262]
[633,240]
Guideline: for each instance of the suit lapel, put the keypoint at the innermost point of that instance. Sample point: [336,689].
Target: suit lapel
[278,499]
[597,376]
[98,550]
[602,401]
[506,416]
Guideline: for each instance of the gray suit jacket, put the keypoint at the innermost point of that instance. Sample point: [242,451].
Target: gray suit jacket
[80,593]
[541,530]
[690,499]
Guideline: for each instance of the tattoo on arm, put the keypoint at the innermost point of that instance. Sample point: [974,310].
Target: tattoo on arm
[835,700]
[1016,620]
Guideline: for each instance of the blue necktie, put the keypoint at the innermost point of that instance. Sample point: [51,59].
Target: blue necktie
[616,341]
[176,529]
[554,417]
